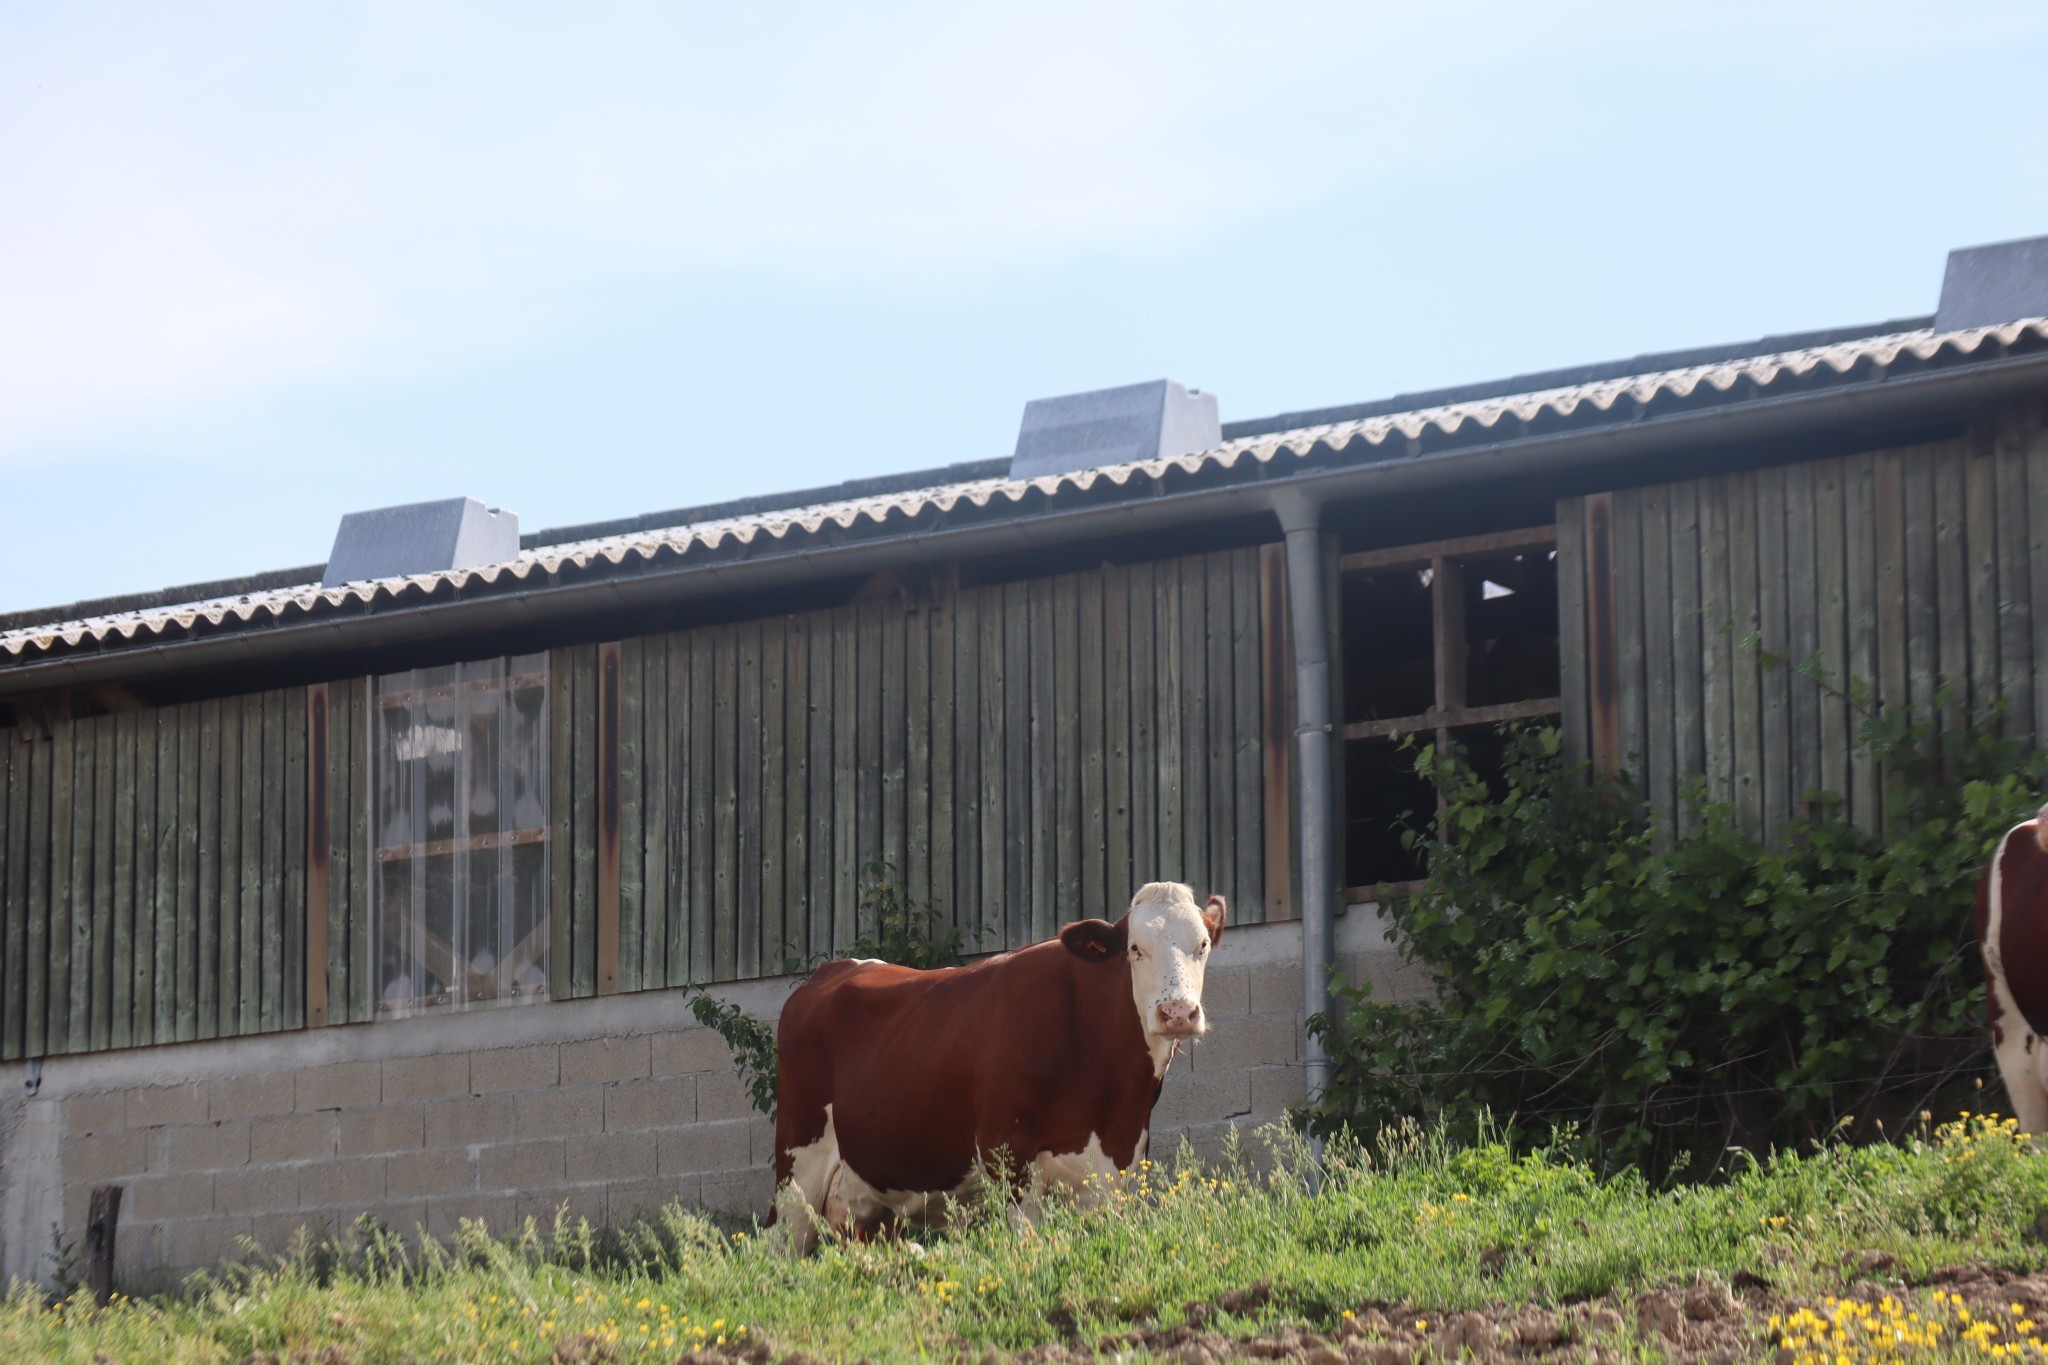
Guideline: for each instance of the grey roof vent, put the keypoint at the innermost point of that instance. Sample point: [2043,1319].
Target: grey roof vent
[420,537]
[1114,426]
[1987,285]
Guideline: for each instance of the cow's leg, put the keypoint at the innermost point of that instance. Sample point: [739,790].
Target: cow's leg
[1084,1176]
[812,1168]
[2022,1056]
[2023,1065]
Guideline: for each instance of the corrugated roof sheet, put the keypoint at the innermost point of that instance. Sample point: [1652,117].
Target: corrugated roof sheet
[1355,441]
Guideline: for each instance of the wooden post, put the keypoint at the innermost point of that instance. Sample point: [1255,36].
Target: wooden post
[99,1242]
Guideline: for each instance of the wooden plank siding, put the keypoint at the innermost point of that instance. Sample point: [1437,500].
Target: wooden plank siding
[1024,754]
[109,936]
[998,745]
[1914,573]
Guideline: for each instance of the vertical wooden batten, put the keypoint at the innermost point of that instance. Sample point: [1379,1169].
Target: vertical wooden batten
[608,663]
[1603,662]
[318,862]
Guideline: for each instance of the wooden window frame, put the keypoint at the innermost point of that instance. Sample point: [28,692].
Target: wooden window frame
[1446,562]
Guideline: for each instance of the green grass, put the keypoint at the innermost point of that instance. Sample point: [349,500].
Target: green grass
[1415,1221]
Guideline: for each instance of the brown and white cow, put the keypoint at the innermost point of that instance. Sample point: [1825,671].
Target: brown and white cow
[894,1082]
[2012,930]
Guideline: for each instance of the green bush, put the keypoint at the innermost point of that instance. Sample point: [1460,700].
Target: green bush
[1670,996]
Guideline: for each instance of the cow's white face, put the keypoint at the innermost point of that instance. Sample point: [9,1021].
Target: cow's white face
[1169,940]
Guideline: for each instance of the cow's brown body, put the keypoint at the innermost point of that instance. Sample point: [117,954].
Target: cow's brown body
[894,1083]
[2012,932]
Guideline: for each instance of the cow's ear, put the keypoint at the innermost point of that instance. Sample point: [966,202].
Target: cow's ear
[1095,940]
[1214,917]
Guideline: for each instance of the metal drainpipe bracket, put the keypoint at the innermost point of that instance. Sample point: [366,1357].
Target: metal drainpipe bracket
[32,1075]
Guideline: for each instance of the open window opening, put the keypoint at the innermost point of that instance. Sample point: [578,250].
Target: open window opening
[1442,643]
[459,758]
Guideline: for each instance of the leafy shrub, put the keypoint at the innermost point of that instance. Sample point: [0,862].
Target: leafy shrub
[1674,995]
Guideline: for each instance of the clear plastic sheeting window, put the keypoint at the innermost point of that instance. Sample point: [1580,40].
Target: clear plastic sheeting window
[460,828]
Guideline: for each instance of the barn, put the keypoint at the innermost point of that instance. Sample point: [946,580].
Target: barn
[372,886]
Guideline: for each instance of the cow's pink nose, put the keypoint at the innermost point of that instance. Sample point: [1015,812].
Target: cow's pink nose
[1180,1017]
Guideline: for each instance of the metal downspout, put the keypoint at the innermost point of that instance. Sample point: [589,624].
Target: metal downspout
[1300,518]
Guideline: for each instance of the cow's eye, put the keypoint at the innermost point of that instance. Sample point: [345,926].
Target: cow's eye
[1136,951]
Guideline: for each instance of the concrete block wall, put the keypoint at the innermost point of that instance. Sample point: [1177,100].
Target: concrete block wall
[611,1107]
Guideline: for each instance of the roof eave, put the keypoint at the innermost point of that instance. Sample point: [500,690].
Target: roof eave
[1246,488]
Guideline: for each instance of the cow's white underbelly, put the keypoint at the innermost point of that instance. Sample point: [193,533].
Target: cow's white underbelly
[845,1200]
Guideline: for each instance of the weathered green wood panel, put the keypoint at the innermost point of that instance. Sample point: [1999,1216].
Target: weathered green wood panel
[770,904]
[818,641]
[1774,625]
[1901,572]
[1219,762]
[892,718]
[1169,660]
[1041,760]
[1889,491]
[1980,548]
[1068,900]
[1951,594]
[35,1022]
[2036,465]
[939,818]
[1687,648]
[362,988]
[744,957]
[583,804]
[1010,770]
[1248,739]
[142,969]
[1831,627]
[1747,732]
[1575,721]
[2014,588]
[794,946]
[918,739]
[1631,729]
[969,907]
[633,834]
[1802,590]
[270,928]
[718,780]
[1660,740]
[562,704]
[92,938]
[1861,666]
[846,812]
[675,742]
[191,834]
[1139,605]
[1717,641]
[15,966]
[1092,736]
[120,956]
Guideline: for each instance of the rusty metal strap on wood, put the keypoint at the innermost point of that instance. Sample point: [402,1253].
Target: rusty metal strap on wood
[1463,547]
[1454,719]
[475,843]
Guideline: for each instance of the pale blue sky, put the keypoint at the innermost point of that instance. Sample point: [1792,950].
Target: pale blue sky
[264,264]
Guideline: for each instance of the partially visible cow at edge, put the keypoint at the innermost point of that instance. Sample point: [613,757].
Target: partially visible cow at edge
[894,1082]
[2012,930]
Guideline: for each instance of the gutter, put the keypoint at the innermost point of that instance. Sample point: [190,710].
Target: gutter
[546,601]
